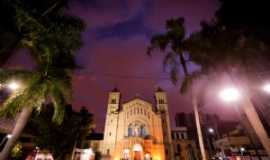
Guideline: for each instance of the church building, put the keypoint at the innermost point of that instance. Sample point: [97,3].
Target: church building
[137,129]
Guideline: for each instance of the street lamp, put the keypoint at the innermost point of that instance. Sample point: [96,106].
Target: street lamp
[242,150]
[230,94]
[266,88]
[211,130]
[9,136]
[13,85]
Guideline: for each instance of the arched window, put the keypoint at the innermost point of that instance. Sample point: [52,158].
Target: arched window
[130,132]
[144,131]
[137,129]
[113,101]
[161,101]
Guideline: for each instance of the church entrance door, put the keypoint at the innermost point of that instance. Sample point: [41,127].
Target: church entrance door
[138,152]
[137,155]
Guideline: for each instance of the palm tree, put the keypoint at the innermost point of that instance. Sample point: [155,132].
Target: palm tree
[173,43]
[51,39]
[36,89]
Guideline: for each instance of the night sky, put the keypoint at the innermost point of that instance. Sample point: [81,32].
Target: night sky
[114,51]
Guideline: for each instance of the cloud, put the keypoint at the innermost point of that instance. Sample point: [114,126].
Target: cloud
[125,29]
[98,13]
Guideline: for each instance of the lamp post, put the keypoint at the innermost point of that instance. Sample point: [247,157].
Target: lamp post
[211,130]
[8,136]
[232,94]
[242,150]
[21,120]
[198,126]
[209,134]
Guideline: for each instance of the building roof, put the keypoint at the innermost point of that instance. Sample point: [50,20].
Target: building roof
[159,89]
[137,98]
[115,89]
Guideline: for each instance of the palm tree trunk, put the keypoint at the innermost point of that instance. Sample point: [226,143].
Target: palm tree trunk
[256,124]
[16,132]
[184,65]
[73,150]
[198,126]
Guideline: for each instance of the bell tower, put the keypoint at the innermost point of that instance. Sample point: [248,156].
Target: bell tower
[162,109]
[112,122]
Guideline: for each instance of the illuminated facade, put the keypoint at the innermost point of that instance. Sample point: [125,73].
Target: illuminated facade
[136,130]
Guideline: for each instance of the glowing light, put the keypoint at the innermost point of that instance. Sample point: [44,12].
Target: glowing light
[230,94]
[266,87]
[147,156]
[44,156]
[126,153]
[137,147]
[156,157]
[242,149]
[9,136]
[13,85]
[211,130]
[87,154]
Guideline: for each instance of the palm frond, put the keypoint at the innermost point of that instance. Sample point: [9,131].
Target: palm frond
[188,81]
[58,101]
[31,95]
[6,75]
[11,106]
[158,42]
[172,42]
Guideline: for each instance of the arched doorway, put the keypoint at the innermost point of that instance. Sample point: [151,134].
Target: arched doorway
[138,152]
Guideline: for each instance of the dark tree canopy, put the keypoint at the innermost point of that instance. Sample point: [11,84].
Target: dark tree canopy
[249,15]
[60,139]
[52,36]
[43,27]
[237,38]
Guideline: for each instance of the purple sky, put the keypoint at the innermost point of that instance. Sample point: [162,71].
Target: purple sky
[114,51]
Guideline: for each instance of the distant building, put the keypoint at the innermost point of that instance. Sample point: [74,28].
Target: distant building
[236,143]
[208,121]
[187,120]
[184,148]
[137,129]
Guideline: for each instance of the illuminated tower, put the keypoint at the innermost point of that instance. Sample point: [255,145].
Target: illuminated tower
[162,109]
[112,122]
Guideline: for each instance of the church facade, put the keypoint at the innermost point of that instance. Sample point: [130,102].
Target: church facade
[137,129]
